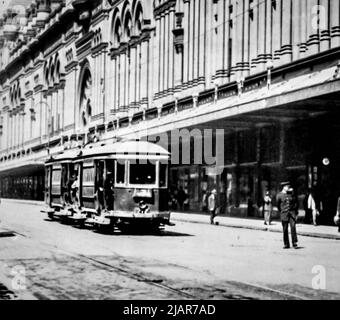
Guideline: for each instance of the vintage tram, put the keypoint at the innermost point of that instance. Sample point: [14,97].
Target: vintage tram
[118,185]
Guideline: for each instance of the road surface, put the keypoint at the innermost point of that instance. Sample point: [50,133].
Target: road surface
[50,260]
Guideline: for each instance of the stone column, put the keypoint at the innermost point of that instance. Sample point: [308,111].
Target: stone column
[286,48]
[138,74]
[49,113]
[192,41]
[122,101]
[166,39]
[304,21]
[111,87]
[144,73]
[118,75]
[202,45]
[296,29]
[171,50]
[155,58]
[218,48]
[63,107]
[269,31]
[325,35]
[186,42]
[132,81]
[103,83]
[254,37]
[237,35]
[312,27]
[240,16]
[208,33]
[178,53]
[196,40]
[277,36]
[161,56]
[127,78]
[246,26]
[335,23]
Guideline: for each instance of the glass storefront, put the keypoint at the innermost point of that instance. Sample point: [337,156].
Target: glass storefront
[258,160]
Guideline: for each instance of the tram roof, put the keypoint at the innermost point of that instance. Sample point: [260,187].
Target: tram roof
[66,156]
[126,148]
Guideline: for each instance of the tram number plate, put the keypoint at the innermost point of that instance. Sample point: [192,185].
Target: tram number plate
[142,193]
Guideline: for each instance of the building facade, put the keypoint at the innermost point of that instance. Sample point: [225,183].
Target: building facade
[265,71]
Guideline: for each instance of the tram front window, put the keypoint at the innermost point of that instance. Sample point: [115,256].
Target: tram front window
[120,177]
[142,174]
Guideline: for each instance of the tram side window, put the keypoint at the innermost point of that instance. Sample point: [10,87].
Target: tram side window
[120,177]
[88,174]
[142,173]
[56,176]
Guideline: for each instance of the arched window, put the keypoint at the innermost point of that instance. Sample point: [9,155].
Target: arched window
[117,34]
[138,19]
[85,103]
[127,26]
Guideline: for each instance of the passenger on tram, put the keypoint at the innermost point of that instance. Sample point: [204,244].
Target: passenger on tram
[109,191]
[74,190]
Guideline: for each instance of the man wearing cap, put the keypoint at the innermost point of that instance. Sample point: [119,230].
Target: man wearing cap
[288,208]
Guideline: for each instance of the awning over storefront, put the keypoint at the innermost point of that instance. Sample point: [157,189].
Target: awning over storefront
[25,165]
[29,168]
[286,95]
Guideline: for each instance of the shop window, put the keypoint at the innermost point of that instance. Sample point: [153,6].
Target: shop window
[247,147]
[246,188]
[270,145]
[229,149]
[298,144]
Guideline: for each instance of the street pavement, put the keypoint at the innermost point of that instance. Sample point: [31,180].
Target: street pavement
[51,260]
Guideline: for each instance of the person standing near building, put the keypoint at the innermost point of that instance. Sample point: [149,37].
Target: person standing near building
[267,208]
[204,204]
[337,215]
[181,197]
[212,205]
[288,208]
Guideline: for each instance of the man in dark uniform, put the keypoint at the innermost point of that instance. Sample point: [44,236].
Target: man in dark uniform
[288,208]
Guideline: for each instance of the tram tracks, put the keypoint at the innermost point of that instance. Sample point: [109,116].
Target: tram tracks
[157,282]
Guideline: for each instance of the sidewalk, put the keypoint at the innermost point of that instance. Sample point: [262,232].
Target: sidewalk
[325,232]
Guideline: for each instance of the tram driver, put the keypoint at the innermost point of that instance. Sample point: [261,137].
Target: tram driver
[143,207]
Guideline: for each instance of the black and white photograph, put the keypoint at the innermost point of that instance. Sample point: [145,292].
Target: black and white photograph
[169,150]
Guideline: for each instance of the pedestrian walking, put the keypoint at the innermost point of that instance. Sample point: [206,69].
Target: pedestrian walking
[337,215]
[308,213]
[181,198]
[267,208]
[204,204]
[212,205]
[288,207]
[312,207]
